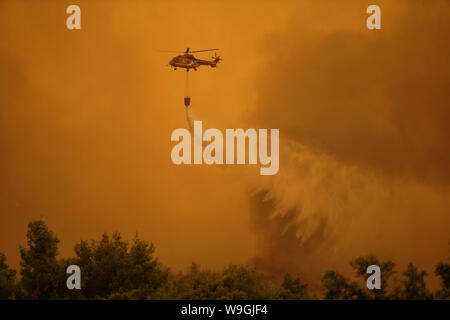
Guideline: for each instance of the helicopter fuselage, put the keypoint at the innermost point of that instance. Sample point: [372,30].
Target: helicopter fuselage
[188,61]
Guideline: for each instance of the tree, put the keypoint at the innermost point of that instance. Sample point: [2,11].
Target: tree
[360,266]
[39,268]
[414,286]
[240,282]
[339,287]
[7,279]
[113,268]
[235,282]
[195,284]
[442,270]
[293,288]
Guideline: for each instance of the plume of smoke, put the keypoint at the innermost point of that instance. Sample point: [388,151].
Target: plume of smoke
[316,188]
[363,169]
[318,213]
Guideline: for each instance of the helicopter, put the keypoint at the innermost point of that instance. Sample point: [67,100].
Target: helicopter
[188,61]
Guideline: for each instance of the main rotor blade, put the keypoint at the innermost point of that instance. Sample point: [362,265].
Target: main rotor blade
[203,50]
[170,51]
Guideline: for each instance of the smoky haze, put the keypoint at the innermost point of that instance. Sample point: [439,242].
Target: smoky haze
[365,119]
[86,118]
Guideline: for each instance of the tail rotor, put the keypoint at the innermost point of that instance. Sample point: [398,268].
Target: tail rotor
[216,58]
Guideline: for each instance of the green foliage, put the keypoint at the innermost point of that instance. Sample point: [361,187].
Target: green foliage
[293,288]
[338,287]
[113,268]
[7,279]
[195,284]
[442,270]
[414,286]
[235,282]
[39,267]
[239,283]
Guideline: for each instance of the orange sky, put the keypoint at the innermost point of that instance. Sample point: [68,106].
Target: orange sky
[86,118]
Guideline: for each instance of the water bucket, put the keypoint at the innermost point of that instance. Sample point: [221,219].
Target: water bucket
[187,101]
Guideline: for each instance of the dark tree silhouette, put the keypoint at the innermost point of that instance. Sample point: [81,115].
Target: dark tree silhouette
[114,269]
[39,268]
[338,287]
[7,279]
[443,271]
[414,286]
[293,288]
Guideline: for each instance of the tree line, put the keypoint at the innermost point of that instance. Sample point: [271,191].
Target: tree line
[113,268]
